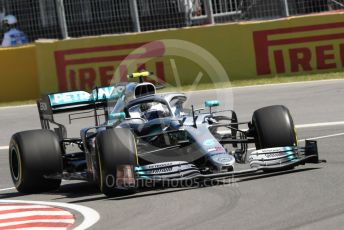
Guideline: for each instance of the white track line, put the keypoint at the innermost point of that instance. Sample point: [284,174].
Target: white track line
[6,189]
[3,147]
[323,124]
[17,106]
[314,138]
[322,137]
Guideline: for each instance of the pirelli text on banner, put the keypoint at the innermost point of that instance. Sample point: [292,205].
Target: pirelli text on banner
[299,49]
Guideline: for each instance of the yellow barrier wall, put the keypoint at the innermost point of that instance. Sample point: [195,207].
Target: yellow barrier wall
[291,46]
[19,78]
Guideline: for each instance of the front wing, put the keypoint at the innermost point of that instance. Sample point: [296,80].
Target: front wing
[285,158]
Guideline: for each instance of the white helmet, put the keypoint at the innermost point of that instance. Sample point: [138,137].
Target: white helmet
[10,20]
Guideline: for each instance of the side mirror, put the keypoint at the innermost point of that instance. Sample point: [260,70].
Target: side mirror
[212,103]
[117,116]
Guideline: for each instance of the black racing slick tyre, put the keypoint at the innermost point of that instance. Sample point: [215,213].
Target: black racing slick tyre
[32,155]
[117,157]
[274,127]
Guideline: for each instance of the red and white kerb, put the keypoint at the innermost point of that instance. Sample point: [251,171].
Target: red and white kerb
[32,216]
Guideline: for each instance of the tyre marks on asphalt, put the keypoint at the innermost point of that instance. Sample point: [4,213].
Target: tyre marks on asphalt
[33,216]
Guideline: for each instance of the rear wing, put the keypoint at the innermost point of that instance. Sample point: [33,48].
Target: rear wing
[71,101]
[75,100]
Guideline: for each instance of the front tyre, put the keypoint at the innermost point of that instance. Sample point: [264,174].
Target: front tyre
[33,155]
[274,127]
[117,157]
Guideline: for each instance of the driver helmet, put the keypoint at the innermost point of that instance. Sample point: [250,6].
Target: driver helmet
[153,110]
[144,107]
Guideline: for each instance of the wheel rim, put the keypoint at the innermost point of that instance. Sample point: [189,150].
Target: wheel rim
[15,164]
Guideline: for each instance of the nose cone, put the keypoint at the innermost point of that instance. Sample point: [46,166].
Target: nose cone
[222,161]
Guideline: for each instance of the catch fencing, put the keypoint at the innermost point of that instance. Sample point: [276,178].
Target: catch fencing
[59,19]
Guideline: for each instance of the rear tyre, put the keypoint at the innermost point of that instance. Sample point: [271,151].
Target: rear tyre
[32,155]
[117,158]
[274,127]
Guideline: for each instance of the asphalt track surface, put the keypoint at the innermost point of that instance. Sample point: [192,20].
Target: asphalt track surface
[311,197]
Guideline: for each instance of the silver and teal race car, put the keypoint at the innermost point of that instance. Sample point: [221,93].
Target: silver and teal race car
[145,137]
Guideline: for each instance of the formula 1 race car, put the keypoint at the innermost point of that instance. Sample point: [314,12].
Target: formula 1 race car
[147,136]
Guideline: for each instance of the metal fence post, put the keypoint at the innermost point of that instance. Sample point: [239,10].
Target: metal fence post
[62,18]
[210,12]
[286,8]
[134,12]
